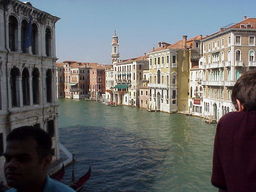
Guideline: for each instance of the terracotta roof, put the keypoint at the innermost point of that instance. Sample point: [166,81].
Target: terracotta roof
[245,24]
[248,23]
[59,64]
[141,58]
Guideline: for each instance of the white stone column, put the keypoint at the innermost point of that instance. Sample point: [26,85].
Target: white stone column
[43,51]
[31,88]
[19,83]
[53,43]
[19,37]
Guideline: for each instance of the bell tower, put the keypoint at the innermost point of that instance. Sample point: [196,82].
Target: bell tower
[115,48]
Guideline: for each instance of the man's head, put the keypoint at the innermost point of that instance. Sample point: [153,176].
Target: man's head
[244,92]
[28,155]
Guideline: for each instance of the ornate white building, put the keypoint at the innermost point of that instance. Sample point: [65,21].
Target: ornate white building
[27,70]
[226,55]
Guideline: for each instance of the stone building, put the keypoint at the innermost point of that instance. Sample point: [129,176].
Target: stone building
[128,79]
[226,55]
[27,71]
[144,91]
[169,75]
[78,80]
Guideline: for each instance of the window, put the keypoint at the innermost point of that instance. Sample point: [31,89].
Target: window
[15,87]
[173,94]
[229,40]
[162,60]
[251,40]
[25,87]
[238,40]
[158,77]
[48,40]
[49,86]
[141,92]
[168,59]
[174,79]
[158,60]
[173,59]
[13,33]
[238,55]
[251,55]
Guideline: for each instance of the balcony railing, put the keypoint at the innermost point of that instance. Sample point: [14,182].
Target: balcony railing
[213,83]
[239,64]
[252,64]
[174,65]
[228,64]
[230,83]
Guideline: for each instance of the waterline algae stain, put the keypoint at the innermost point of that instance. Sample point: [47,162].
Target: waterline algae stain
[132,150]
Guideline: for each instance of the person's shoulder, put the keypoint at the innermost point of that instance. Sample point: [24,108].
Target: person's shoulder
[56,186]
[231,116]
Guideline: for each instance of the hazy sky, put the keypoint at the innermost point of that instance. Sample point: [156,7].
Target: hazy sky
[86,26]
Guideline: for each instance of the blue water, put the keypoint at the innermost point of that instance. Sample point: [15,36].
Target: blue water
[132,150]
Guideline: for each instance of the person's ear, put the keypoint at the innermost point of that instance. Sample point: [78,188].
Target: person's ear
[240,107]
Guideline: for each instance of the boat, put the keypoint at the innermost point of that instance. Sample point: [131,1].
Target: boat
[78,184]
[59,174]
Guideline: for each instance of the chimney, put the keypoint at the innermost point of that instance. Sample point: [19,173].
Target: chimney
[245,17]
[159,44]
[184,40]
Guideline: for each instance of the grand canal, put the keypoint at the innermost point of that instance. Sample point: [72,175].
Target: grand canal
[132,150]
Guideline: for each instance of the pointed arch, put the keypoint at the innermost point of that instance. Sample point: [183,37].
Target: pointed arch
[13,33]
[25,87]
[48,41]
[35,86]
[49,85]
[15,86]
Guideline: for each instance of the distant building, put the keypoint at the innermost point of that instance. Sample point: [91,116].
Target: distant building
[128,79]
[226,55]
[144,91]
[77,80]
[110,80]
[27,71]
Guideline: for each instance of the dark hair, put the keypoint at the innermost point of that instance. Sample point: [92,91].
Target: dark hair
[245,91]
[42,138]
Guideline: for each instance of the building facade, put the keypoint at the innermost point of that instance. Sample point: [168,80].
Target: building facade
[226,55]
[27,71]
[128,76]
[169,74]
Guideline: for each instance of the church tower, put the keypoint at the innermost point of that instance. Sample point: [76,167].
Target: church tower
[115,48]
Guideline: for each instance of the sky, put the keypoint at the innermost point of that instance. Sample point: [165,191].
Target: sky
[85,30]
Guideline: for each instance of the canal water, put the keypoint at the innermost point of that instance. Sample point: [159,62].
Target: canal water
[132,150]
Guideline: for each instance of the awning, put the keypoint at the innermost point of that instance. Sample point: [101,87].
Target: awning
[121,86]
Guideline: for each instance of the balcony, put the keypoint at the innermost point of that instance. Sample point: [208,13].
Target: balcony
[228,64]
[213,83]
[239,64]
[152,85]
[174,65]
[252,64]
[230,83]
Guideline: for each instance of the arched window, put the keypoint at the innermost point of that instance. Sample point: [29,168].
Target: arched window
[15,88]
[158,77]
[35,86]
[49,85]
[25,87]
[34,39]
[13,33]
[251,55]
[48,40]
[24,36]
[238,55]
[174,79]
